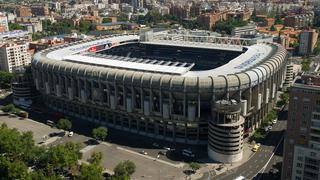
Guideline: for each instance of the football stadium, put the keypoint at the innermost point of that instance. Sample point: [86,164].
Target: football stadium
[174,87]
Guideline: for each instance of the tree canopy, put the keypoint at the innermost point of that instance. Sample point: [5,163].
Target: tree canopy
[194,166]
[21,159]
[278,19]
[124,169]
[92,171]
[100,133]
[5,79]
[228,26]
[272,28]
[15,26]
[106,20]
[64,124]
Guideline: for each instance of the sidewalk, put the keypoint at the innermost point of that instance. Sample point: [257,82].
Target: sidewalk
[218,168]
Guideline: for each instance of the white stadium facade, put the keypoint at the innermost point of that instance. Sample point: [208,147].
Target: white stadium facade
[180,88]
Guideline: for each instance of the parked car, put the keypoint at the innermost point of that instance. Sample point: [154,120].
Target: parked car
[188,153]
[274,121]
[240,178]
[143,152]
[255,148]
[70,134]
[273,171]
[155,145]
[266,129]
[162,153]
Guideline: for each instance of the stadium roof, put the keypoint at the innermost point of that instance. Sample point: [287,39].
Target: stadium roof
[78,52]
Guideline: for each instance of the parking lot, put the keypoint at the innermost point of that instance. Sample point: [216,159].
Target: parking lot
[39,130]
[148,166]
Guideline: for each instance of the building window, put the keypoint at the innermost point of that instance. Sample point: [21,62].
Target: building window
[316,116]
[300,158]
[299,165]
[298,178]
[313,154]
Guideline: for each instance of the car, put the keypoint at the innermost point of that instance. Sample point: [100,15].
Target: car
[155,145]
[92,142]
[53,134]
[273,171]
[50,123]
[188,153]
[274,121]
[269,127]
[70,134]
[258,144]
[240,178]
[41,142]
[162,153]
[266,129]
[167,148]
[143,152]
[255,148]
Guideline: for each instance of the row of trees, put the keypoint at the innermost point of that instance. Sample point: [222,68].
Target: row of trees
[62,27]
[21,159]
[154,18]
[228,26]
[99,133]
[10,108]
[267,120]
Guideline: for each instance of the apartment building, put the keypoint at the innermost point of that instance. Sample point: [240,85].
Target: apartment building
[13,55]
[308,41]
[4,23]
[23,11]
[299,20]
[302,140]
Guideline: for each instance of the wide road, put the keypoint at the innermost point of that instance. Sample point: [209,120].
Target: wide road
[257,164]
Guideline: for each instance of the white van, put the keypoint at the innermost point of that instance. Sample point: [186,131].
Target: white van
[240,178]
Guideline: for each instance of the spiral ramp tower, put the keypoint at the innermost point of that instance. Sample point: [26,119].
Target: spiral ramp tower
[225,136]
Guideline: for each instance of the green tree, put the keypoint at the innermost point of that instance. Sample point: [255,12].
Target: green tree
[96,158]
[8,108]
[278,19]
[194,166]
[94,170]
[254,15]
[15,26]
[64,124]
[284,99]
[228,26]
[18,153]
[124,169]
[100,133]
[306,64]
[5,79]
[91,171]
[106,20]
[272,28]
[61,157]
[123,17]
[86,26]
